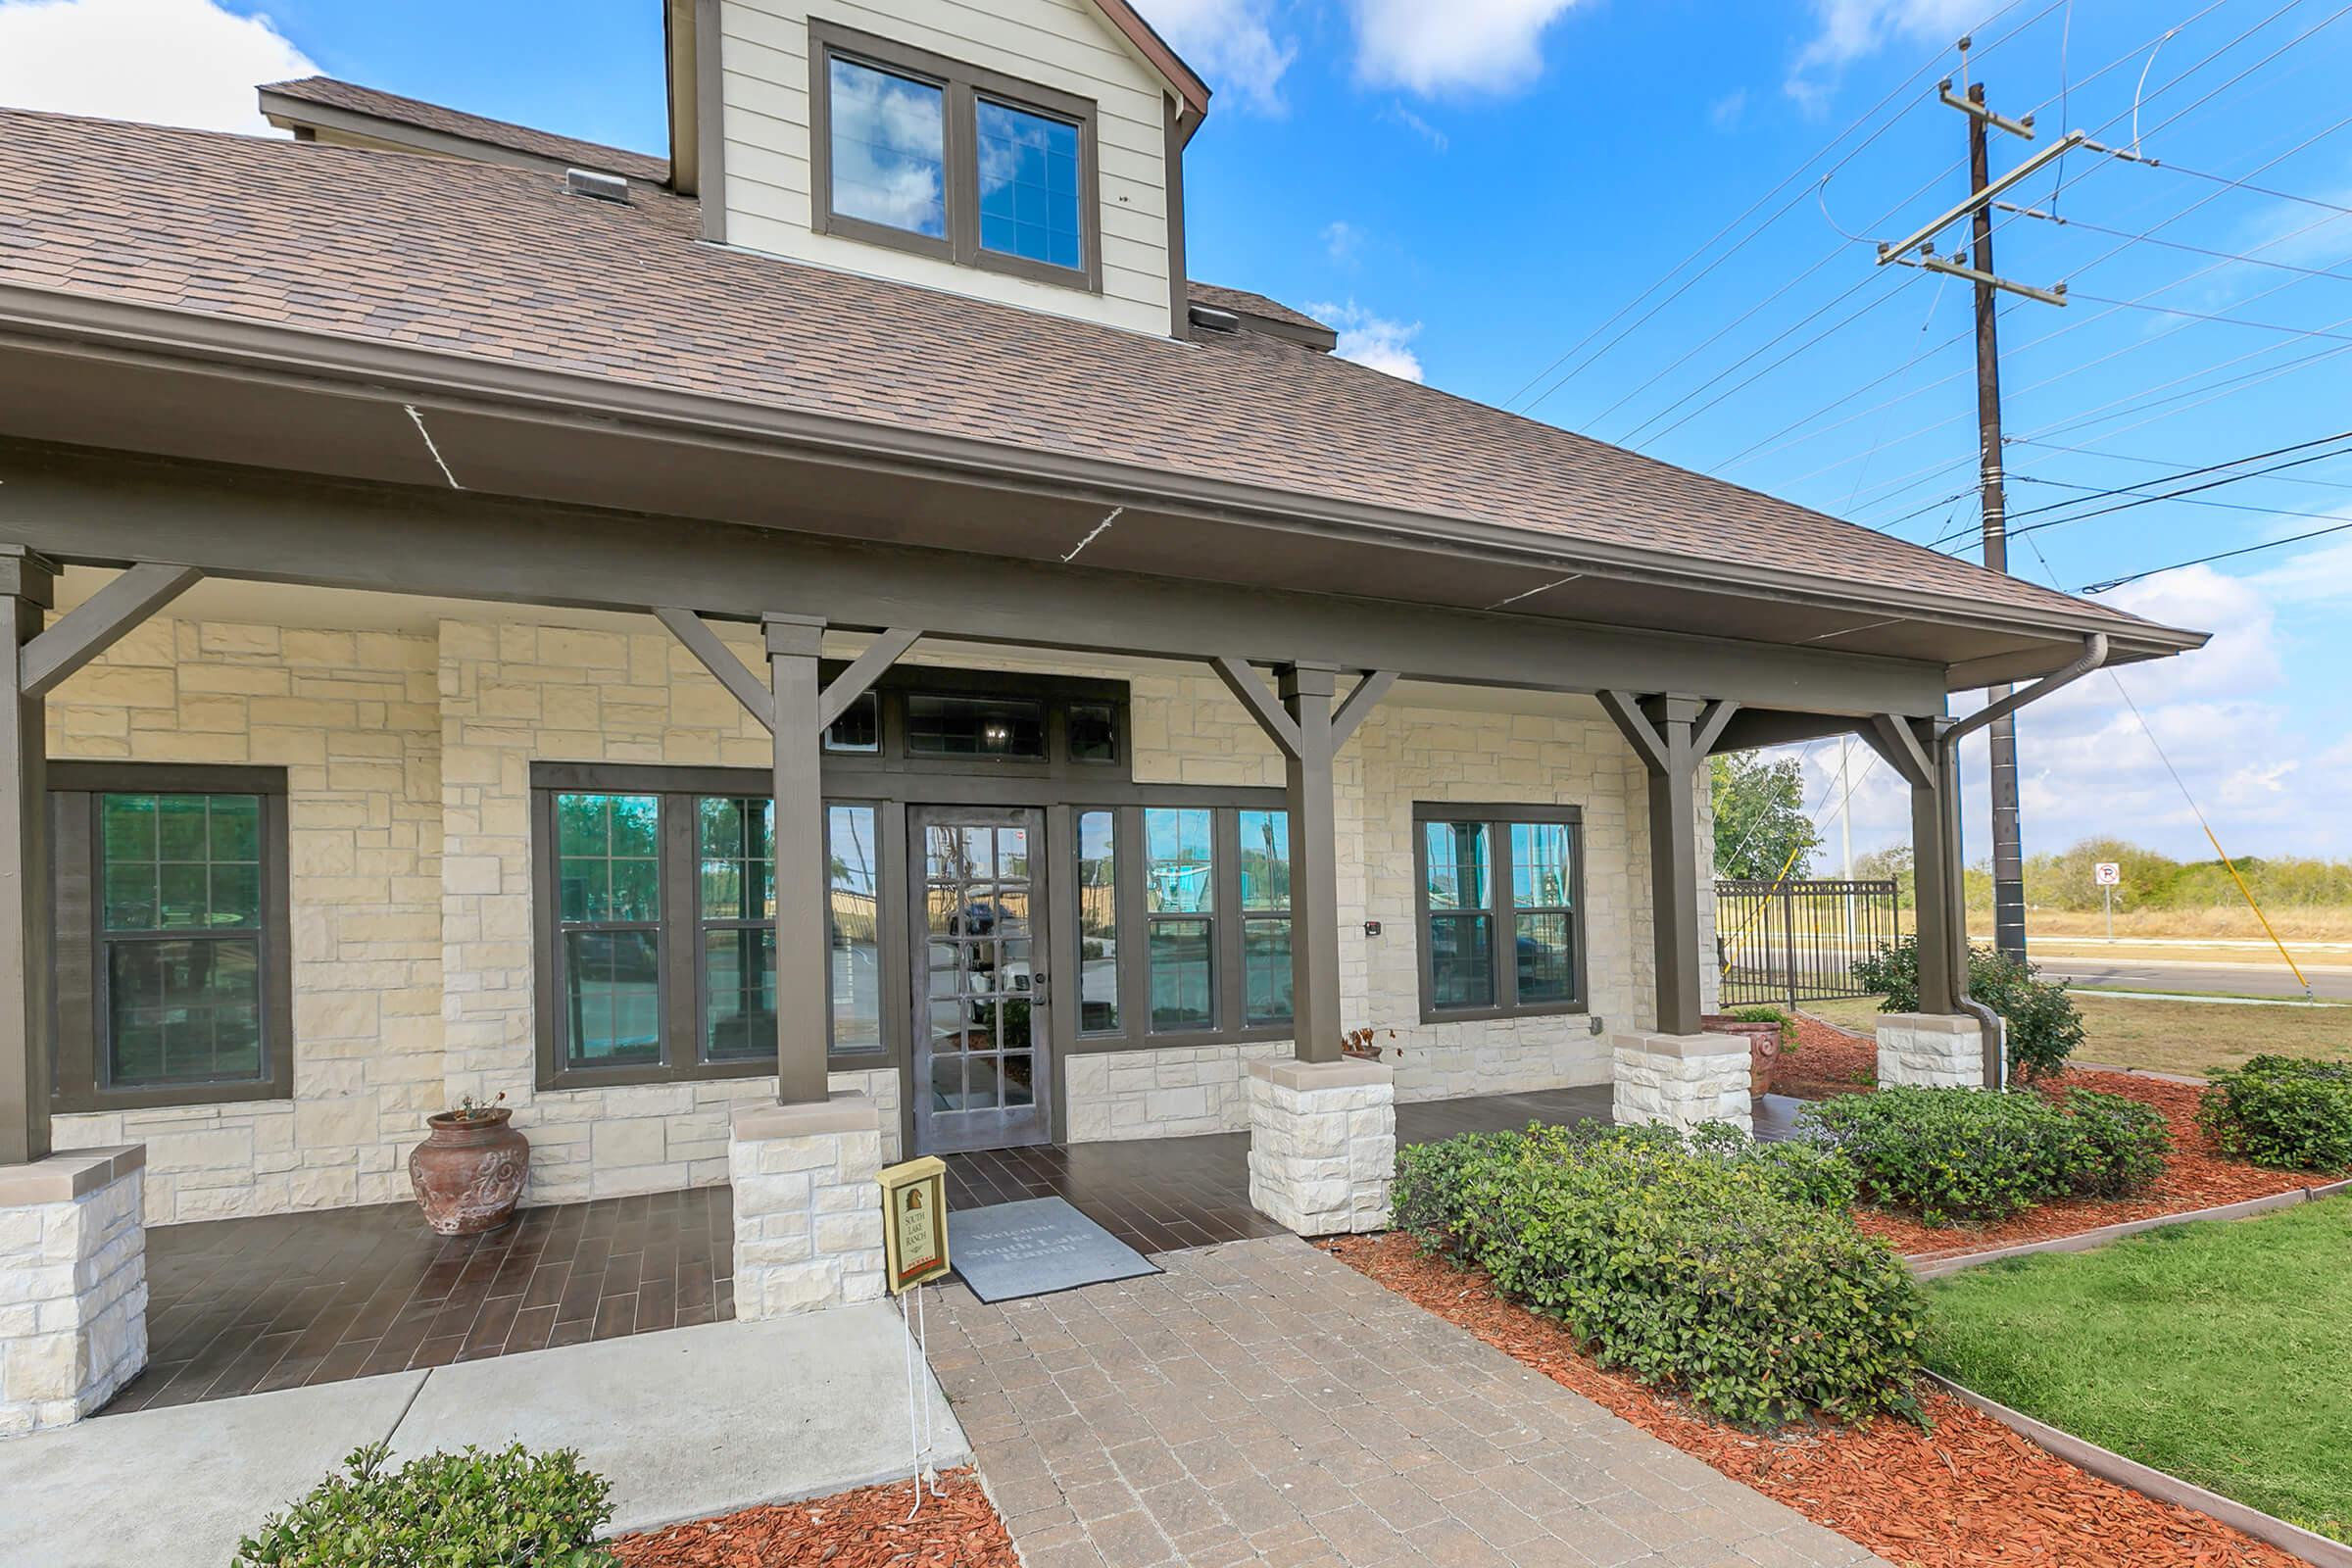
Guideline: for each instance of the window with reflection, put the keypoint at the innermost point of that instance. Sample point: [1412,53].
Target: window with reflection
[925,153]
[609,904]
[1097,923]
[888,149]
[1500,923]
[172,971]
[1264,838]
[855,928]
[1010,727]
[1180,902]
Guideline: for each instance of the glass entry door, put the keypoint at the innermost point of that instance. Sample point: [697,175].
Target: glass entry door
[982,1066]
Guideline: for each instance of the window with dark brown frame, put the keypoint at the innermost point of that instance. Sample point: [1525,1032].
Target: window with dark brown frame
[174,978]
[926,153]
[655,896]
[1501,910]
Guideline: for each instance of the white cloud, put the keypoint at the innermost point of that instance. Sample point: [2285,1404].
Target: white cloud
[1418,127]
[164,62]
[1465,46]
[1846,30]
[1231,43]
[1726,113]
[1342,240]
[2227,717]
[1372,340]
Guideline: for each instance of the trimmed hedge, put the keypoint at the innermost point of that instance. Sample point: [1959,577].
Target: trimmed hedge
[446,1510]
[1969,1154]
[2292,1112]
[1707,1265]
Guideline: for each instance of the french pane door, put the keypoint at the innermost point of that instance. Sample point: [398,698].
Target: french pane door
[982,1042]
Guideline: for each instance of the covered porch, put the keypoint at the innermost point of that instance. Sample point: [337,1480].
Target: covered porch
[284,1301]
[1028,850]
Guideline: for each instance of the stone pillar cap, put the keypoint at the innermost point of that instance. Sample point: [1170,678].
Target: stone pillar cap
[845,1110]
[69,1174]
[1288,1072]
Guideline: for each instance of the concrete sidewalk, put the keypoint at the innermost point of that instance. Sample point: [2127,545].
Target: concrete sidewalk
[685,1423]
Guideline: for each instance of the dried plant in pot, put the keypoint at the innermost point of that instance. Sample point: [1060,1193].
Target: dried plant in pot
[468,1172]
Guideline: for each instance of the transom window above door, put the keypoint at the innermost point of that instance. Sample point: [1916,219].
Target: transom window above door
[929,155]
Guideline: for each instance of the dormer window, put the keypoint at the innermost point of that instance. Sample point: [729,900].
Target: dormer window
[925,154]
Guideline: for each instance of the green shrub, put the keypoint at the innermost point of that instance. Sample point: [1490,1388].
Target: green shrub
[1779,1015]
[2294,1112]
[446,1510]
[2044,1026]
[2126,1139]
[1967,1154]
[1683,1262]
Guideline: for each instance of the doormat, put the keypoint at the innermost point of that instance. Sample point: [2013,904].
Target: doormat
[1034,1247]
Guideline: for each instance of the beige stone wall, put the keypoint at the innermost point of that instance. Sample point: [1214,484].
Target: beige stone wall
[351,717]
[409,770]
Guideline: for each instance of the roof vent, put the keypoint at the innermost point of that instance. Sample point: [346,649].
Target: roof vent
[1214,319]
[597,187]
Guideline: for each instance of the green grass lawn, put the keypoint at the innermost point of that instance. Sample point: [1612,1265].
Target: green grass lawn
[2219,1352]
[2177,1037]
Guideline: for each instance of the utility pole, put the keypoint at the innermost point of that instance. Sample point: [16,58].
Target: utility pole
[1919,250]
[2008,846]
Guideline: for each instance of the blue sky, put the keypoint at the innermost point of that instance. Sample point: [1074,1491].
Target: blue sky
[1473,189]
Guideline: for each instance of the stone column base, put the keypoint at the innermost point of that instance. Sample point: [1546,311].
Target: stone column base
[1931,1050]
[1683,1080]
[1322,1144]
[72,1285]
[808,1213]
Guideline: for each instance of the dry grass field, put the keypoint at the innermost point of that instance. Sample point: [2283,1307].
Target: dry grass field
[2177,1037]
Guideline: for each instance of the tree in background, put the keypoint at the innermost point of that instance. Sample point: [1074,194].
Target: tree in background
[1760,819]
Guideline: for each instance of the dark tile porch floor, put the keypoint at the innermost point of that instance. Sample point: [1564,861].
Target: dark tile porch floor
[246,1305]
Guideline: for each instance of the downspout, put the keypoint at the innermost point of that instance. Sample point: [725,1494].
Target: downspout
[1994,1026]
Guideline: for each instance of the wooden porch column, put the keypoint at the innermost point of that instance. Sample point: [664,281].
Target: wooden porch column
[1673,734]
[797,705]
[1918,750]
[1310,734]
[27,937]
[1307,691]
[802,880]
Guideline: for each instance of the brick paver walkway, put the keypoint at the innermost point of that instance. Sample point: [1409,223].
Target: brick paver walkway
[1262,1404]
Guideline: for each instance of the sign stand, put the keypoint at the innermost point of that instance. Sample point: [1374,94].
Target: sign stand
[914,1251]
[2107,873]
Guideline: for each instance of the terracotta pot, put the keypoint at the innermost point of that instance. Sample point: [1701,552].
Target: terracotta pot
[1763,1049]
[468,1171]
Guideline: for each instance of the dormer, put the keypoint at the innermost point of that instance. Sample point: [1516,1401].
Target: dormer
[1025,151]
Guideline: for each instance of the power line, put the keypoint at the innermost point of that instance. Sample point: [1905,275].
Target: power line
[2139,499]
[2218,505]
[2219,321]
[2173,469]
[1790,177]
[2226,555]
[2258,190]
[2174,244]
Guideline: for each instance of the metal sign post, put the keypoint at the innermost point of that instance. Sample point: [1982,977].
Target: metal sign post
[914,1249]
[2106,874]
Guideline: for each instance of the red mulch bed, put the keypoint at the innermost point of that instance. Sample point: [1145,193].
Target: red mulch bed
[2197,1174]
[864,1529]
[1968,1491]
[1828,1061]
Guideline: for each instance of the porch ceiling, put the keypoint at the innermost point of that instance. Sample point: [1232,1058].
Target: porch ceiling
[289,420]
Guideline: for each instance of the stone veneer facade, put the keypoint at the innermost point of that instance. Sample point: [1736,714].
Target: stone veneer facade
[72,1286]
[1684,1081]
[1931,1050]
[1322,1144]
[408,755]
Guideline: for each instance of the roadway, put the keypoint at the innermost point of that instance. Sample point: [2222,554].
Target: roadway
[2190,975]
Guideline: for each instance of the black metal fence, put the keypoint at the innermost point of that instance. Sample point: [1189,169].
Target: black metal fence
[1793,942]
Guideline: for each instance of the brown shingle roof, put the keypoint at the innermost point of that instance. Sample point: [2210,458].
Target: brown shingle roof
[1241,302]
[567,150]
[497,263]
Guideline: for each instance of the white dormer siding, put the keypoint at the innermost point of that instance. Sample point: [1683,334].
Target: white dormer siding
[1064,45]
